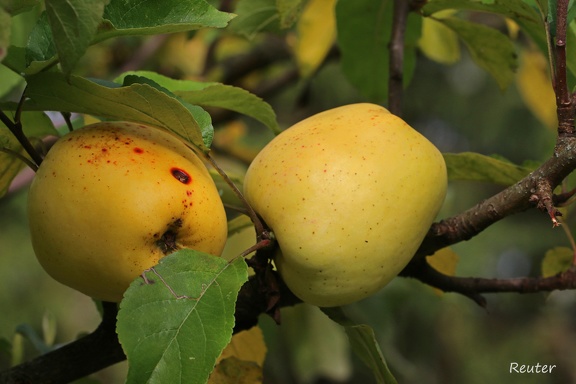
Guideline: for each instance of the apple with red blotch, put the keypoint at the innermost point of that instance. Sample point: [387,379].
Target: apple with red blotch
[112,198]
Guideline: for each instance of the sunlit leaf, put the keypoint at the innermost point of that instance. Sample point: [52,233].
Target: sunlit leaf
[364,344]
[210,94]
[174,326]
[438,42]
[138,102]
[137,17]
[472,166]
[316,33]
[557,260]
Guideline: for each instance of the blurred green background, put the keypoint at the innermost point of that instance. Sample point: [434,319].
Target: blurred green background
[425,337]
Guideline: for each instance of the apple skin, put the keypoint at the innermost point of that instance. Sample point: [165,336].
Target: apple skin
[350,194]
[112,198]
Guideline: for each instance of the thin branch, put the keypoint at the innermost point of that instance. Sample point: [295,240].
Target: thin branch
[16,128]
[565,107]
[473,287]
[396,74]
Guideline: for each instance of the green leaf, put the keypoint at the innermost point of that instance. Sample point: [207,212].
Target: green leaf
[364,344]
[526,16]
[73,24]
[489,48]
[200,115]
[557,260]
[211,94]
[141,103]
[316,346]
[5,30]
[289,11]
[255,16]
[174,327]
[15,7]
[364,31]
[472,166]
[118,18]
[138,17]
[41,49]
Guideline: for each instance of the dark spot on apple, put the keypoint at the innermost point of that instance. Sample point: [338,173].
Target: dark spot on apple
[138,150]
[181,175]
[167,242]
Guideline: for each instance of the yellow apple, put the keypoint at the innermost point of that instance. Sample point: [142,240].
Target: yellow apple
[111,199]
[350,194]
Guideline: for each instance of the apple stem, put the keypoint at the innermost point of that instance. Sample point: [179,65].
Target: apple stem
[261,231]
[259,245]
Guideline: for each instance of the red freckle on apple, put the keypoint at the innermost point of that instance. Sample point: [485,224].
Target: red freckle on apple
[181,175]
[138,150]
[189,193]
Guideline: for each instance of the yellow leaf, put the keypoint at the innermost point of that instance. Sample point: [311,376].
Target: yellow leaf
[445,261]
[247,345]
[242,360]
[513,28]
[535,87]
[316,33]
[438,42]
[233,370]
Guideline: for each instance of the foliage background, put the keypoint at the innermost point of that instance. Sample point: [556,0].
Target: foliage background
[425,337]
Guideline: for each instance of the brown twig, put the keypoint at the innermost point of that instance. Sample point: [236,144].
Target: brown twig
[473,287]
[16,128]
[396,74]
